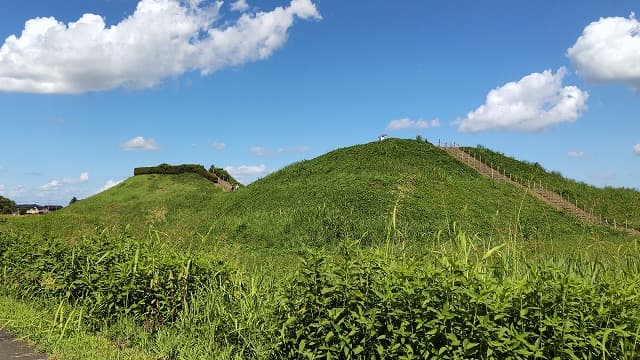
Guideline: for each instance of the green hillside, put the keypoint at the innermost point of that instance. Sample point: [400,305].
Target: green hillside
[619,204]
[354,192]
[178,205]
[448,263]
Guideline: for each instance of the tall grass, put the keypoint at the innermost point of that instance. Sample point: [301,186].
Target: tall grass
[460,297]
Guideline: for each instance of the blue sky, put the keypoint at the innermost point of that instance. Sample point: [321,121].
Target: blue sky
[91,89]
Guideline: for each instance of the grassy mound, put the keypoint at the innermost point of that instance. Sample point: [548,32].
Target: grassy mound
[354,192]
[360,190]
[177,205]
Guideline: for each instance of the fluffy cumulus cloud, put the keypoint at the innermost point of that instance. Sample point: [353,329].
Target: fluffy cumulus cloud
[58,184]
[609,50]
[240,5]
[246,173]
[576,154]
[141,51]
[531,104]
[636,149]
[406,123]
[262,151]
[139,143]
[108,185]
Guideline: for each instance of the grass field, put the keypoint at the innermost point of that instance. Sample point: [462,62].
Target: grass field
[385,250]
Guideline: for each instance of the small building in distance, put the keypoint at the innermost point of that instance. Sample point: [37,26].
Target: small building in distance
[382,137]
[35,209]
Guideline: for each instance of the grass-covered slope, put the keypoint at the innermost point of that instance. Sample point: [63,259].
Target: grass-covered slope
[362,191]
[178,205]
[353,192]
[619,204]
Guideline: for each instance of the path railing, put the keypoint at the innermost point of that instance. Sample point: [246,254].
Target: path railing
[538,189]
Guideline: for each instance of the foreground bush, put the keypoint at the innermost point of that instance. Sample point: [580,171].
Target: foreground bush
[374,306]
[108,275]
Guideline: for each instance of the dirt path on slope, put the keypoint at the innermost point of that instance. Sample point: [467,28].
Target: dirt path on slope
[549,197]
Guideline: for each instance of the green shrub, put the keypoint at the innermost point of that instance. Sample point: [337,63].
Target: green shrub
[7,206]
[223,174]
[371,306]
[175,170]
[109,276]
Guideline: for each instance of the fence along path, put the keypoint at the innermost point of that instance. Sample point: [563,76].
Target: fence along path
[537,190]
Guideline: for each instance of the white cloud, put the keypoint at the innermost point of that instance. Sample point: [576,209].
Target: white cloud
[55,185]
[3,169]
[139,143]
[609,50]
[240,5]
[51,185]
[161,39]
[262,151]
[84,177]
[575,154]
[246,173]
[406,123]
[246,170]
[636,149]
[109,184]
[17,191]
[218,146]
[2,187]
[532,104]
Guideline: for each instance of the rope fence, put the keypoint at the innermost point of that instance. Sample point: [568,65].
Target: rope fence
[538,186]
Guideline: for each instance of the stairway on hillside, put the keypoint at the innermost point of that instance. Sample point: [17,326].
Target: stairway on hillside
[225,185]
[549,197]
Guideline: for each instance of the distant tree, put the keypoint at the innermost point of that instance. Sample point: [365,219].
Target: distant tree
[73,200]
[7,206]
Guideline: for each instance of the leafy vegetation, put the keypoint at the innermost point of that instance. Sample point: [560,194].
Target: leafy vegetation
[358,253]
[107,275]
[613,204]
[7,206]
[212,175]
[224,175]
[367,304]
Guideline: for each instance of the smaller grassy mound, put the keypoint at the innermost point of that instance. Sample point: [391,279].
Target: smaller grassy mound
[613,204]
[178,205]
